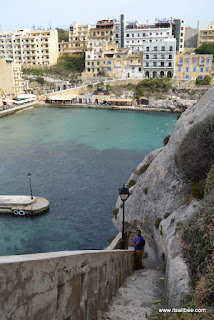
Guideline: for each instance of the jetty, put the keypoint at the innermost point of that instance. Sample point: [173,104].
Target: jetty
[23,205]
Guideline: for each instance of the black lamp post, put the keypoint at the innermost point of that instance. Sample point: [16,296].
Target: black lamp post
[29,177]
[124,194]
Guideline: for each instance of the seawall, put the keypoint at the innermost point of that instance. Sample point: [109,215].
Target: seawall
[68,285]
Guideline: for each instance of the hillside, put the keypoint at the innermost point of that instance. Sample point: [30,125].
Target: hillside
[171,201]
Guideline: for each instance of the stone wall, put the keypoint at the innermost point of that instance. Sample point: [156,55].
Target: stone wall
[69,285]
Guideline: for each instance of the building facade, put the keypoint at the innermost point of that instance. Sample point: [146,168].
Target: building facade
[191,38]
[206,36]
[30,48]
[11,82]
[193,66]
[159,58]
[112,62]
[78,38]
[102,31]
[178,31]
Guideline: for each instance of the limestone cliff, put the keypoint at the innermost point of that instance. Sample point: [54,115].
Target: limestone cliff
[162,192]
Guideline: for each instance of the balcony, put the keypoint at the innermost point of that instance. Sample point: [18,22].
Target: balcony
[180,63]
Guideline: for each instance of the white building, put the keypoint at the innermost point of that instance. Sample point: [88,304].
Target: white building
[159,58]
[137,36]
[37,47]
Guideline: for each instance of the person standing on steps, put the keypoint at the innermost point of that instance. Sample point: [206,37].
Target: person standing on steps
[139,244]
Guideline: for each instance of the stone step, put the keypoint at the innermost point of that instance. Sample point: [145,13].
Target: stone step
[135,298]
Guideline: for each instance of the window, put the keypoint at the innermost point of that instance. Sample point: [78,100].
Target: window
[92,63]
[89,69]
[208,60]
[98,63]
[154,64]
[170,48]
[108,69]
[201,69]
[194,69]
[108,62]
[207,69]
[179,69]
[147,64]
[162,64]
[187,76]
[127,35]
[187,69]
[195,60]
[98,69]
[147,56]
[132,34]
[187,60]
[155,48]
[147,49]
[163,48]
[170,56]
[88,63]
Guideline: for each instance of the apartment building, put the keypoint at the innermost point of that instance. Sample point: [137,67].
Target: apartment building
[11,82]
[206,35]
[78,38]
[178,30]
[112,62]
[30,48]
[159,58]
[137,35]
[102,31]
[193,66]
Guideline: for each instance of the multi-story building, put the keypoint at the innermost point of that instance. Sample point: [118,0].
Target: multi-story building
[112,62]
[103,30]
[11,82]
[206,35]
[78,38]
[193,66]
[191,38]
[30,48]
[159,58]
[178,30]
[137,35]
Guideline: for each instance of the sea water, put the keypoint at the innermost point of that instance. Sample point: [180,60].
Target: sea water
[78,159]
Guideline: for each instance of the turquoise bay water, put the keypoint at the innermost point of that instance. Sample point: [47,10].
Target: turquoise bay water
[78,159]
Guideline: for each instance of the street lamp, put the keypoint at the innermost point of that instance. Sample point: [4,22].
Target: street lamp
[29,177]
[124,194]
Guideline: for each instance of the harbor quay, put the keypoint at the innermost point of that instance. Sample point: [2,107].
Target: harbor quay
[22,205]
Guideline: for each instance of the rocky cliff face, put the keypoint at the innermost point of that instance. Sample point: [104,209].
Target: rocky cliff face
[162,192]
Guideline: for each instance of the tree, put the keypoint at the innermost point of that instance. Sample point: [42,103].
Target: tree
[207,48]
[63,35]
[206,81]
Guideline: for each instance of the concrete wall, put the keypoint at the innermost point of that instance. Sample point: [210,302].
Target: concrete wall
[69,285]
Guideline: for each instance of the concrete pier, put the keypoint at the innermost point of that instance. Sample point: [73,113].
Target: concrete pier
[23,205]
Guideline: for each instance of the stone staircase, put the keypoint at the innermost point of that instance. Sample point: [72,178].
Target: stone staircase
[134,299]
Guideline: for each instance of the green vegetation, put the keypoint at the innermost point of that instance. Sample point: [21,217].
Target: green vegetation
[130,183]
[163,256]
[204,82]
[145,190]
[111,239]
[207,48]
[143,168]
[166,140]
[153,85]
[63,35]
[197,189]
[157,222]
[199,252]
[40,80]
[195,154]
[166,215]
[115,211]
[130,86]
[65,67]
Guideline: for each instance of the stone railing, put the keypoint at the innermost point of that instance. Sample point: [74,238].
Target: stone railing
[68,285]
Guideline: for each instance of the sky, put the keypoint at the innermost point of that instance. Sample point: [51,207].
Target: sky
[16,14]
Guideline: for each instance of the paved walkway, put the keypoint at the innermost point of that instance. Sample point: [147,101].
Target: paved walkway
[134,300]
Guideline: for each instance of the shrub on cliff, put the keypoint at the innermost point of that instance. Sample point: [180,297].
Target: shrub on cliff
[195,154]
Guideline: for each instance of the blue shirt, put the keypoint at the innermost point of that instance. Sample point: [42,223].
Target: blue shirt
[142,243]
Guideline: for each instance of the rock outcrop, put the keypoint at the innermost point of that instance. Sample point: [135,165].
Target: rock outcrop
[160,203]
